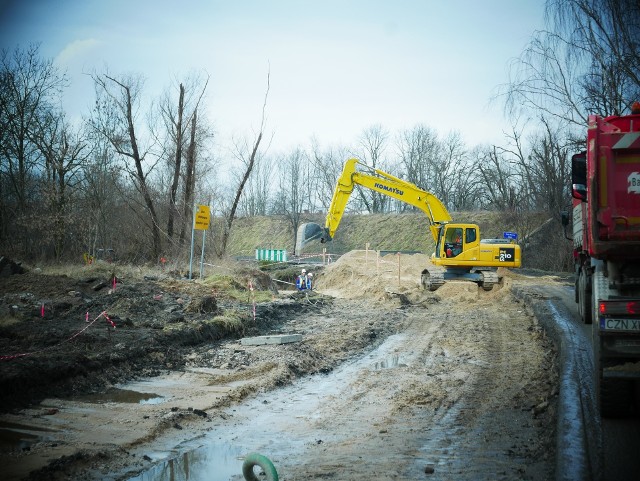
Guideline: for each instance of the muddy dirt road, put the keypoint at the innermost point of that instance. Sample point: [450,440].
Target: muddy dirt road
[388,382]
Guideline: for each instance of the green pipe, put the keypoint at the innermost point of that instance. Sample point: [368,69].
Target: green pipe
[255,459]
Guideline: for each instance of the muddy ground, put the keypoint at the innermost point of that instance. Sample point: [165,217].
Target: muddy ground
[466,389]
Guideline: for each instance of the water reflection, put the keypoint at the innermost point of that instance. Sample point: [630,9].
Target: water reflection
[115,395]
[16,437]
[215,462]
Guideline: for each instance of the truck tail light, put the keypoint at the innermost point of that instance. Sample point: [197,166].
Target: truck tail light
[619,308]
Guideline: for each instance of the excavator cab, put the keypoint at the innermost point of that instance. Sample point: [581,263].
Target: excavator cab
[454,239]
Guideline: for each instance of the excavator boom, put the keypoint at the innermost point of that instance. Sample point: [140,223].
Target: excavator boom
[386,184]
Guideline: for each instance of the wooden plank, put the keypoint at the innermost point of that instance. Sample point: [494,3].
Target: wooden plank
[276,339]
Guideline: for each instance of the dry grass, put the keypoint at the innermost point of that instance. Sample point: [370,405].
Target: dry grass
[394,232]
[8,320]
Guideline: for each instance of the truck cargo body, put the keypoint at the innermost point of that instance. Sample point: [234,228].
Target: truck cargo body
[606,236]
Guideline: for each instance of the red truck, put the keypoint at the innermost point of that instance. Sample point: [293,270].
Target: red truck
[606,239]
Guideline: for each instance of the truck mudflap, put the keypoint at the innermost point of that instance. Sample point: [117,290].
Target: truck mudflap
[616,348]
[623,354]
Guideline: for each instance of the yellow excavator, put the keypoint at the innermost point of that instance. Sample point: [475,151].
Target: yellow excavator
[460,254]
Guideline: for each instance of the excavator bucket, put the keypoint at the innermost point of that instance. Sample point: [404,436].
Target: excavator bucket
[308,232]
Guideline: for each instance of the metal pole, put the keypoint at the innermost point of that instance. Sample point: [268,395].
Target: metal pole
[204,234]
[192,239]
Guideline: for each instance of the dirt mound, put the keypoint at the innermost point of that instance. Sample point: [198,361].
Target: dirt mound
[366,275]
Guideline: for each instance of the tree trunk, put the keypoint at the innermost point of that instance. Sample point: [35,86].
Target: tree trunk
[190,181]
[234,206]
[176,170]
[142,182]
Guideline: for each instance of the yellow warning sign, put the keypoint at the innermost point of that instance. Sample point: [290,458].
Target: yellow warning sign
[202,218]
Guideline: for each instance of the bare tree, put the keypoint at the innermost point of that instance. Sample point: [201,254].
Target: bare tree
[176,121]
[455,178]
[29,87]
[513,164]
[548,169]
[198,169]
[292,196]
[372,145]
[64,151]
[445,168]
[178,134]
[115,117]
[190,178]
[606,34]
[497,176]
[467,186]
[101,185]
[327,166]
[256,196]
[545,79]
[248,162]
[418,149]
[587,62]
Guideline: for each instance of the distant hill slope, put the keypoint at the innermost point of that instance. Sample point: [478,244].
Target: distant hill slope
[545,249]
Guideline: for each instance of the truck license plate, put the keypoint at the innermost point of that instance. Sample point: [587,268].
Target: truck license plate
[611,324]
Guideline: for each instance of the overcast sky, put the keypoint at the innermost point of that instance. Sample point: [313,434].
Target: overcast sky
[336,67]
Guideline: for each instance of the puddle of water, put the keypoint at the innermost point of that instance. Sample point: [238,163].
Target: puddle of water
[214,462]
[116,395]
[16,437]
[276,424]
[15,441]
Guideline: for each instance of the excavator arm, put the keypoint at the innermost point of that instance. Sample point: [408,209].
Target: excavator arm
[386,184]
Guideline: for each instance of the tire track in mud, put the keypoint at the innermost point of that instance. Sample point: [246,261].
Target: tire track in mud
[487,430]
[453,392]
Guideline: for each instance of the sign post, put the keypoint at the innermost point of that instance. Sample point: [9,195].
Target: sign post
[201,220]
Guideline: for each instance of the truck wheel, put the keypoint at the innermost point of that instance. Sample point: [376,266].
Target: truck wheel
[584,298]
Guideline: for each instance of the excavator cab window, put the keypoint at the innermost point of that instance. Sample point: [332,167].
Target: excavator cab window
[453,242]
[470,235]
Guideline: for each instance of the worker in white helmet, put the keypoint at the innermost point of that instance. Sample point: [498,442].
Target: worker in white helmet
[302,281]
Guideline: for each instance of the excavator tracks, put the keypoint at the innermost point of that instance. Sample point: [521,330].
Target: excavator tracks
[489,279]
[432,279]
